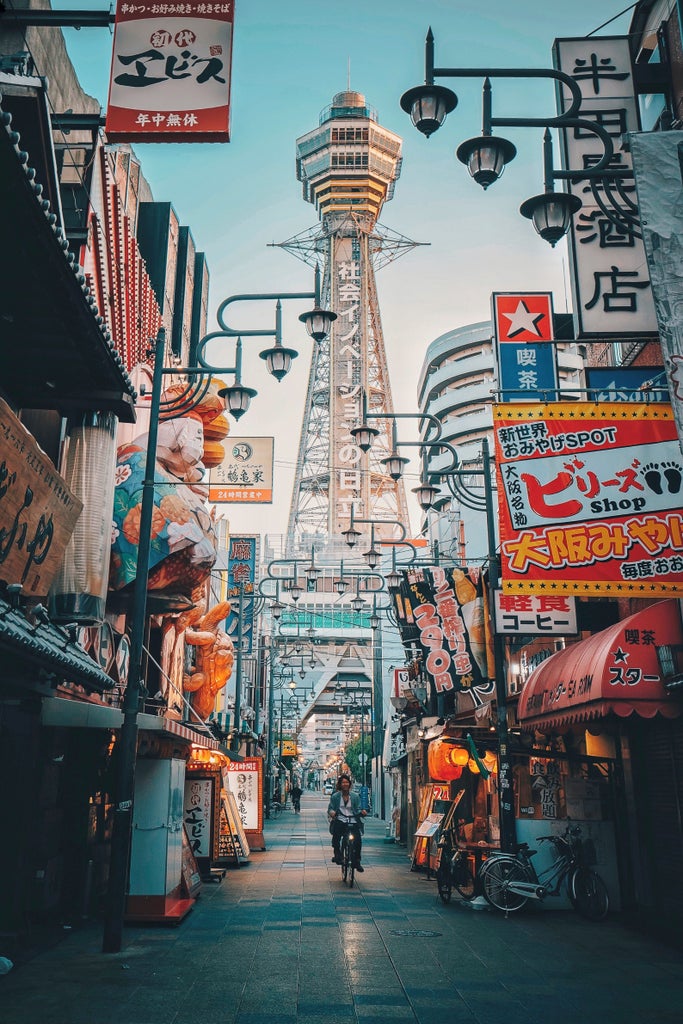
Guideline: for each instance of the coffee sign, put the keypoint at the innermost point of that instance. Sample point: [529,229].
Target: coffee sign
[38,512]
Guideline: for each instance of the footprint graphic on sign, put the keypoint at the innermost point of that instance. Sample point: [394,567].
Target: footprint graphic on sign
[669,474]
[653,477]
[673,476]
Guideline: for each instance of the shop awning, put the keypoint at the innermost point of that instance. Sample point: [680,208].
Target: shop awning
[616,671]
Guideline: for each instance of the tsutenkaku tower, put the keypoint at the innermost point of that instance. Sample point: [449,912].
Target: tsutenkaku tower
[348,166]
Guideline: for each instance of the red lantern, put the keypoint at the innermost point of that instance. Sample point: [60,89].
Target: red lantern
[441,767]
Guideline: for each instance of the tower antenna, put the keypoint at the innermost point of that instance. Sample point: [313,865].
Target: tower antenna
[348,75]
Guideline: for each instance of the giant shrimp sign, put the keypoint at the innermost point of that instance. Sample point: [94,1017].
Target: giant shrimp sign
[170,73]
[589,499]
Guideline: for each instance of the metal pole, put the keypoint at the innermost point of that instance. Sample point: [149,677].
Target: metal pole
[508,835]
[126,747]
[271,717]
[235,741]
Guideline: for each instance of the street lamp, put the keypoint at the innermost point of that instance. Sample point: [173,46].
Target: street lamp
[487,155]
[237,399]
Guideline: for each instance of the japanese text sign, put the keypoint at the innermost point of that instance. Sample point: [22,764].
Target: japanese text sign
[246,473]
[535,614]
[241,580]
[523,329]
[243,779]
[170,74]
[198,814]
[589,499]
[610,282]
[38,512]
[447,609]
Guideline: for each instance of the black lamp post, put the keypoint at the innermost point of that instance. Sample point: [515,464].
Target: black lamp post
[487,155]
[237,399]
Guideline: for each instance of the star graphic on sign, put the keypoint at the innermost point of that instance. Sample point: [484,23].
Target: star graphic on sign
[620,657]
[523,320]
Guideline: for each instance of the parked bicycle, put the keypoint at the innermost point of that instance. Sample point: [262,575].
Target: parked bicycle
[509,881]
[453,871]
[276,809]
[348,851]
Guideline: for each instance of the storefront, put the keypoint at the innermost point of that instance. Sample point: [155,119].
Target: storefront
[613,732]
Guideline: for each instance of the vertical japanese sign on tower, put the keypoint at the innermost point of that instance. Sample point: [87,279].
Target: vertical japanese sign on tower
[170,72]
[610,282]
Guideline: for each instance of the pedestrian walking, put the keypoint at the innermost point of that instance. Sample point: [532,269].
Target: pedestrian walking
[295,793]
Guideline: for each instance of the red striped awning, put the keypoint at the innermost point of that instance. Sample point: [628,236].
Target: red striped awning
[615,671]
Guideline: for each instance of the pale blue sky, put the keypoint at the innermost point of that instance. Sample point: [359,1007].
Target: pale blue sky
[289,59]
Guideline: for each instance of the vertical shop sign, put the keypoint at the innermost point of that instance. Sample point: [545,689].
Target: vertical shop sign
[170,72]
[589,499]
[610,280]
[198,814]
[241,581]
[523,330]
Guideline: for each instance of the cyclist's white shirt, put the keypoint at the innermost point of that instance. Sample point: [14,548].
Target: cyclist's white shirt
[346,812]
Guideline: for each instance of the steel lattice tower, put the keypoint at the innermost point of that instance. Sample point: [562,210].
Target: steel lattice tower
[348,167]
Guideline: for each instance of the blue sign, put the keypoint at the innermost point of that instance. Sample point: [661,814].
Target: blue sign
[627,384]
[241,580]
[527,371]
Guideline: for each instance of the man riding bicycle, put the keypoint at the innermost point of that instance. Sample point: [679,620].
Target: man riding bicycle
[343,811]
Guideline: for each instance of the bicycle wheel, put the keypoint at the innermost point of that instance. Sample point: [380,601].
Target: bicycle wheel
[589,894]
[496,879]
[443,881]
[463,879]
[344,858]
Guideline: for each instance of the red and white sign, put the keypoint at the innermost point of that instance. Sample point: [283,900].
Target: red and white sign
[589,499]
[521,317]
[170,73]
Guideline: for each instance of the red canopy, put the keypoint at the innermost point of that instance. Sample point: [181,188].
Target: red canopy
[616,670]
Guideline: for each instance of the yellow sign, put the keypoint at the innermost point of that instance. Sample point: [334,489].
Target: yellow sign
[289,748]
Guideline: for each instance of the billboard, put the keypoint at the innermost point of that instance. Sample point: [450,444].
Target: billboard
[170,73]
[523,330]
[626,384]
[589,499]
[245,475]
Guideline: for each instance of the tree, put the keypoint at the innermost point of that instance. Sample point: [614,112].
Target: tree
[352,757]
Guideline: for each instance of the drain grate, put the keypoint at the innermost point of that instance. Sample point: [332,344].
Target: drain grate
[418,933]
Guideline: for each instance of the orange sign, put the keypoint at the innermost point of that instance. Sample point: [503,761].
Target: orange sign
[38,512]
[589,499]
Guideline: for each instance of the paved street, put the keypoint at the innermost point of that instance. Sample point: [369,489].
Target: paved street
[283,941]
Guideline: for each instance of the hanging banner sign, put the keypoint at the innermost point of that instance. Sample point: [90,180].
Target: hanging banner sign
[246,473]
[589,499]
[241,580]
[448,615]
[170,72]
[523,329]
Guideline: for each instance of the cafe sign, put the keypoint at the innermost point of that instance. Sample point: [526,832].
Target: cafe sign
[38,512]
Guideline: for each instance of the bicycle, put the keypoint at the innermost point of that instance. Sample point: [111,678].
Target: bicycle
[453,871]
[348,851]
[509,881]
[275,809]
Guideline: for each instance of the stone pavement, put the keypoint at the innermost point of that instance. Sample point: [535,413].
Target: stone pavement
[282,941]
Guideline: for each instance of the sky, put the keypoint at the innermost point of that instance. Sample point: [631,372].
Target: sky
[289,60]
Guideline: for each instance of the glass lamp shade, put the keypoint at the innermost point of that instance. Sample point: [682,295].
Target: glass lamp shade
[485,157]
[318,322]
[395,464]
[295,592]
[357,604]
[237,399]
[341,586]
[351,536]
[364,436]
[393,580]
[312,573]
[372,557]
[426,495]
[374,621]
[276,609]
[428,106]
[278,360]
[551,214]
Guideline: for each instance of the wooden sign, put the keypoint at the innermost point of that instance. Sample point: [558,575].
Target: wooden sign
[38,512]
[190,877]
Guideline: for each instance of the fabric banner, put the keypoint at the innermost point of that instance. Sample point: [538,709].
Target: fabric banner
[589,499]
[445,614]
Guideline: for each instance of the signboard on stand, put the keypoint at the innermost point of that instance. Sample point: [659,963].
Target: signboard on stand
[244,779]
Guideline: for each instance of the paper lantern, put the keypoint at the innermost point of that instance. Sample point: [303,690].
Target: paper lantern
[213,454]
[441,766]
[473,766]
[490,760]
[460,756]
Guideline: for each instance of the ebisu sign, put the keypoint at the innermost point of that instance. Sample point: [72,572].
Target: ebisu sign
[170,72]
[590,499]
